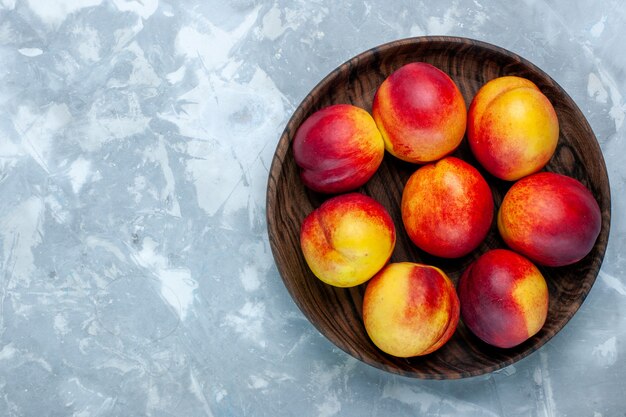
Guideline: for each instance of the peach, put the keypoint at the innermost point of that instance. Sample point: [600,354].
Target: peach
[410,309]
[348,239]
[338,149]
[512,128]
[420,113]
[550,218]
[504,298]
[447,208]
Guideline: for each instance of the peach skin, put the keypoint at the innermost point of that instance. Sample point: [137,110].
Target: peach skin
[410,309]
[447,208]
[338,149]
[550,218]
[420,113]
[348,239]
[504,298]
[512,128]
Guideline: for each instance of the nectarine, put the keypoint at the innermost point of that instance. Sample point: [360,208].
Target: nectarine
[512,127]
[420,113]
[348,239]
[338,149]
[551,218]
[504,298]
[410,309]
[447,208]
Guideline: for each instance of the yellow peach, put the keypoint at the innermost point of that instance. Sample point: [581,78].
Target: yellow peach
[348,239]
[512,128]
[410,309]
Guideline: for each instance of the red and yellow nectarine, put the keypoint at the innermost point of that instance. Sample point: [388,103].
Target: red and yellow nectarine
[348,239]
[512,127]
[338,149]
[420,113]
[504,298]
[551,218]
[410,309]
[447,208]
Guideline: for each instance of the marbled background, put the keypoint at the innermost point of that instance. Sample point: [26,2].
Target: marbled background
[136,276]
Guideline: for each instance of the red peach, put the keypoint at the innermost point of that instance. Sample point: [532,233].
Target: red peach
[348,239]
[338,149]
[512,128]
[504,298]
[420,113]
[551,218]
[447,208]
[410,309]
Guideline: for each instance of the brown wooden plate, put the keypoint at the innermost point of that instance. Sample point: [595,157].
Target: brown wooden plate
[336,312]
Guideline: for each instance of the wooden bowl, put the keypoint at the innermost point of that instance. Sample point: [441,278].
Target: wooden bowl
[336,312]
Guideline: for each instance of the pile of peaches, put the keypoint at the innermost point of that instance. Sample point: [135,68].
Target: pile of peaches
[419,116]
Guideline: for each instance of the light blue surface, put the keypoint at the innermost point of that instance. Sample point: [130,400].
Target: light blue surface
[136,276]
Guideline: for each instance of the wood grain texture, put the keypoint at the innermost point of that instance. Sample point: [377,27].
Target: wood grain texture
[336,312]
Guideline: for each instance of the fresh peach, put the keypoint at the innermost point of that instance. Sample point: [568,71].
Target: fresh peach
[512,127]
[504,298]
[420,113]
[338,149]
[447,208]
[550,218]
[410,309]
[348,239]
